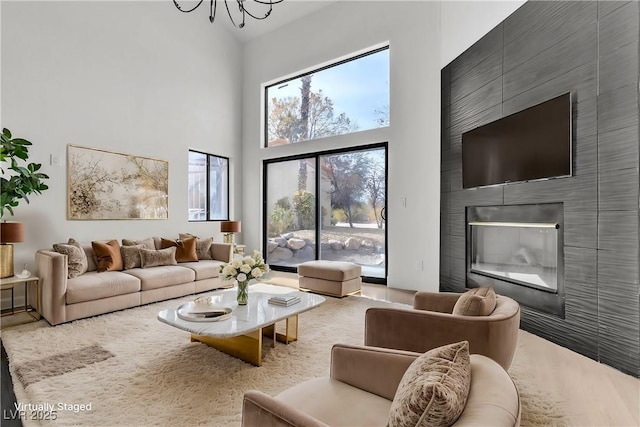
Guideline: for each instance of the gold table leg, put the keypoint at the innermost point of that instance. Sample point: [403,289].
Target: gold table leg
[291,331]
[246,347]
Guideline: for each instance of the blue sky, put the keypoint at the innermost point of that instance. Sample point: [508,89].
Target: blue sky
[357,88]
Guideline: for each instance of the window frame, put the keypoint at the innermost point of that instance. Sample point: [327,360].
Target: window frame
[266,86]
[208,157]
[317,155]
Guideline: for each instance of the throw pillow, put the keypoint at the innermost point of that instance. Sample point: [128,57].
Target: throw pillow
[76,257]
[108,256]
[154,258]
[147,243]
[476,302]
[203,246]
[185,249]
[131,256]
[434,389]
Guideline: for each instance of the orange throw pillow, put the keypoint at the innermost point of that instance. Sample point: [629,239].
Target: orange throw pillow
[185,248]
[108,256]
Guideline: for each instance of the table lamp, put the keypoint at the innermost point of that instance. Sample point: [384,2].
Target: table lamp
[229,228]
[10,232]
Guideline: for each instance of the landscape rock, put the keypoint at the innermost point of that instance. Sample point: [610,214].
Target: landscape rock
[271,245]
[281,241]
[335,245]
[280,254]
[352,244]
[287,236]
[305,253]
[296,244]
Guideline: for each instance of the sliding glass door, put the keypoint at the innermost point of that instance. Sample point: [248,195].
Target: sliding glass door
[291,212]
[353,196]
[328,206]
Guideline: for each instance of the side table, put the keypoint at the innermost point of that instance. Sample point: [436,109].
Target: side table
[10,283]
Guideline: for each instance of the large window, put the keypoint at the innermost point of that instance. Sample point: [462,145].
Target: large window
[346,97]
[328,206]
[208,195]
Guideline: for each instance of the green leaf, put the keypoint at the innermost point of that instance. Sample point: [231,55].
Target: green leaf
[21,141]
[18,182]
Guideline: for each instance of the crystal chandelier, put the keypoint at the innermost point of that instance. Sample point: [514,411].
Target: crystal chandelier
[265,7]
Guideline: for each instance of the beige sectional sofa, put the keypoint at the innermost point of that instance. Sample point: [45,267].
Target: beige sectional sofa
[91,293]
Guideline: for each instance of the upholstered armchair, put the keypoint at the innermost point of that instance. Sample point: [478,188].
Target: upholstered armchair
[431,324]
[361,388]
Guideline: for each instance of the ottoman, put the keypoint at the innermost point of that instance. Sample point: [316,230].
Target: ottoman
[335,278]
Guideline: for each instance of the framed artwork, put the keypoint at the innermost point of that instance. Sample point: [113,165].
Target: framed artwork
[106,185]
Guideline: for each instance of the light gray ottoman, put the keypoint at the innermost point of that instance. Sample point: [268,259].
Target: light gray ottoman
[335,278]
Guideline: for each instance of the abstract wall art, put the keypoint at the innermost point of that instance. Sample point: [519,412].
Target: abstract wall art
[106,185]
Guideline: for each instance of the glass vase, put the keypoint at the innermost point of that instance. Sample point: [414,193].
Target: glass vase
[243,292]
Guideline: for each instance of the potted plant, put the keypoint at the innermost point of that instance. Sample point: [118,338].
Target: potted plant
[16,183]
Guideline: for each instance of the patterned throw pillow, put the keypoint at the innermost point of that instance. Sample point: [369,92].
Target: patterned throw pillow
[108,256]
[76,257]
[434,390]
[131,256]
[147,243]
[154,258]
[203,246]
[185,249]
[476,302]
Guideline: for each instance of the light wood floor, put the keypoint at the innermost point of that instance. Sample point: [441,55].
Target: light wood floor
[592,394]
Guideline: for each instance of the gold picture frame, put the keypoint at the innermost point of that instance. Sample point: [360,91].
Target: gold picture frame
[103,185]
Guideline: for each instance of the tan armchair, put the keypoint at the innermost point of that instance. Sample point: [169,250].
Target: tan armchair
[430,324]
[361,388]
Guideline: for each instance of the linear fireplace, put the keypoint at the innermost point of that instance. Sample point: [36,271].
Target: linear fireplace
[519,250]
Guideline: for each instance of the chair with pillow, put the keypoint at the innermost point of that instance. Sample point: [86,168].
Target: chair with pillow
[488,321]
[371,386]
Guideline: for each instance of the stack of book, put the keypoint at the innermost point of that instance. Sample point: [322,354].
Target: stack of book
[285,300]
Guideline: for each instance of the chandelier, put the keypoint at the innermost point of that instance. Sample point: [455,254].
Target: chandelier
[265,6]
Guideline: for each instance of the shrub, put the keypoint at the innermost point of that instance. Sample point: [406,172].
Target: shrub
[304,204]
[281,220]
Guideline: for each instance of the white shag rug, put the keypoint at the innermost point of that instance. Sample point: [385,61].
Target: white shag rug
[135,371]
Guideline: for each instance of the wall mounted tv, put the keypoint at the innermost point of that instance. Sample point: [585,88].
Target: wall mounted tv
[532,144]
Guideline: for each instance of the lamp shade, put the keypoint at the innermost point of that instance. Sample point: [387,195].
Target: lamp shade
[11,232]
[230,227]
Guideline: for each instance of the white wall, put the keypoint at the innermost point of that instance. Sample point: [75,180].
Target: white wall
[465,22]
[412,29]
[132,77]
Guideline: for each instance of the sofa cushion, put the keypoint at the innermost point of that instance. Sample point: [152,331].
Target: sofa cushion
[162,276]
[94,286]
[203,246]
[91,257]
[108,257]
[131,256]
[147,243]
[153,258]
[336,403]
[185,249]
[76,257]
[205,269]
[476,302]
[434,389]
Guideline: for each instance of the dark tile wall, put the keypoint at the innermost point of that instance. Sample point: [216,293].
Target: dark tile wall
[542,50]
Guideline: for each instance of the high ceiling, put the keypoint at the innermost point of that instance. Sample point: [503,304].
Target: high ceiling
[282,14]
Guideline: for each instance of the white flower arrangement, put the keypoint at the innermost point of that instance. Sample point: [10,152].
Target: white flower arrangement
[246,268]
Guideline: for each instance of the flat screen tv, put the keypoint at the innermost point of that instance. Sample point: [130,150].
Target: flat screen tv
[532,144]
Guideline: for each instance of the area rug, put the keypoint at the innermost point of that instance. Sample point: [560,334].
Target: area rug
[127,368]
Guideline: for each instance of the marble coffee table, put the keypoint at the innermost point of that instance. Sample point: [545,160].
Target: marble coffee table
[240,334]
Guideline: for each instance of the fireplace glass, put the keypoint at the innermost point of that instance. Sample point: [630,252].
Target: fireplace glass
[521,253]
